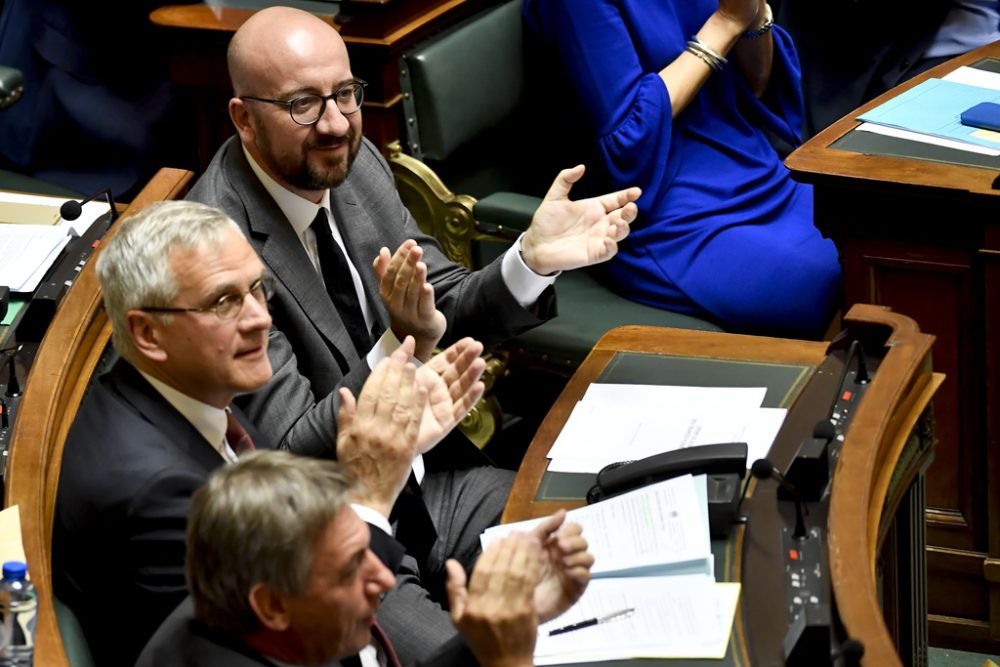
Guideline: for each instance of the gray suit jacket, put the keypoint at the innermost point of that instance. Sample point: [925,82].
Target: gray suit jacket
[313,355]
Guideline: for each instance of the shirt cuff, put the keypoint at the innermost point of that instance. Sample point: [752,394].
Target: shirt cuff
[524,284]
[383,348]
[373,517]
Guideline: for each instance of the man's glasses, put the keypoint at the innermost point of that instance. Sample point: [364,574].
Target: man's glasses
[308,109]
[227,306]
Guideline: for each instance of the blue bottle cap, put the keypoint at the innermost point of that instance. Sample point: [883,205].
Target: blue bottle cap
[14,569]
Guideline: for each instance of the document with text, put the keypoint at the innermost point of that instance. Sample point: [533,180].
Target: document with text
[658,529]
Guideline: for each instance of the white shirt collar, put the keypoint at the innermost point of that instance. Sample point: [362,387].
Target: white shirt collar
[299,211]
[209,421]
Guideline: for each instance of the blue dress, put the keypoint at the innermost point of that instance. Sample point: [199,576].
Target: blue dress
[724,233]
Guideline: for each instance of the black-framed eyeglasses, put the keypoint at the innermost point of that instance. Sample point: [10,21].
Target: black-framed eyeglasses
[308,109]
[227,306]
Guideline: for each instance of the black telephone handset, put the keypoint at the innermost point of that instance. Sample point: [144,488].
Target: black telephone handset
[725,464]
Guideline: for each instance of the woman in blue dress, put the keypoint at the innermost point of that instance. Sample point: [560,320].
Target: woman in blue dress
[678,95]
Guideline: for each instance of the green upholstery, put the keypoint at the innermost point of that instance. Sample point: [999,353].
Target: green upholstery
[469,123]
[77,648]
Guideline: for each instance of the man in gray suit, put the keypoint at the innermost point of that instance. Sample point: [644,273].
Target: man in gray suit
[318,203]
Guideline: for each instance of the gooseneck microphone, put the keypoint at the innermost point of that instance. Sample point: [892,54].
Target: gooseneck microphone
[71,209]
[763,469]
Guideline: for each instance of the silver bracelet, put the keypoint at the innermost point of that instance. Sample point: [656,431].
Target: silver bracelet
[764,28]
[711,57]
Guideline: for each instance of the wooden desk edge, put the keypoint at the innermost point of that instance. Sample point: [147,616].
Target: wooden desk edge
[815,160]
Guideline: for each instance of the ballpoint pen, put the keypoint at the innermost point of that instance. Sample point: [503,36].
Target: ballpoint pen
[616,616]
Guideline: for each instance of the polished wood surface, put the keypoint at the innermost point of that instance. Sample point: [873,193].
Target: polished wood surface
[923,238]
[878,468]
[55,386]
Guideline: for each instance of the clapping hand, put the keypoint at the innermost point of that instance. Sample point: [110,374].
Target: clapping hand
[567,234]
[377,434]
[451,380]
[566,566]
[409,298]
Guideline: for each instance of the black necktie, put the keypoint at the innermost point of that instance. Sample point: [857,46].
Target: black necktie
[339,284]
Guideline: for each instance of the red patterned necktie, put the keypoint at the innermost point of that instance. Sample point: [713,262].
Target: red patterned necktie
[237,437]
[384,646]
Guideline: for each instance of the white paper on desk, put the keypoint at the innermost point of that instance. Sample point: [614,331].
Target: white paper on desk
[900,133]
[972,76]
[674,617]
[594,441]
[28,251]
[608,417]
[657,529]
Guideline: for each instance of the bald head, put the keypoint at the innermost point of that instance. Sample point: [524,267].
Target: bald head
[281,55]
[278,37]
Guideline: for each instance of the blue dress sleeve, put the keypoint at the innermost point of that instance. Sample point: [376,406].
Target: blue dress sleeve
[781,108]
[628,105]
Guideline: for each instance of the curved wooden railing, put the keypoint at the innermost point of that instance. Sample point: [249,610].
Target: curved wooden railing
[873,474]
[55,386]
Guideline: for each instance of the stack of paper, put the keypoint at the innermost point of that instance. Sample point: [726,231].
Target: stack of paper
[652,555]
[618,422]
[930,112]
[30,249]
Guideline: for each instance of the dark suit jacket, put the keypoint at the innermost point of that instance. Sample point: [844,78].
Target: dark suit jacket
[129,469]
[314,355]
[854,50]
[183,641]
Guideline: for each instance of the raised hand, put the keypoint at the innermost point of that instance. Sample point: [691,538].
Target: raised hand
[377,435]
[496,613]
[740,12]
[566,234]
[566,566]
[451,380]
[409,298]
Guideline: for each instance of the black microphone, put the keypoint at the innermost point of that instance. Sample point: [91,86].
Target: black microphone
[850,652]
[824,430]
[71,209]
[764,469]
[855,350]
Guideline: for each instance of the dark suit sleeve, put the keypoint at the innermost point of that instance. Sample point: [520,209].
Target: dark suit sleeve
[454,653]
[156,527]
[286,411]
[388,550]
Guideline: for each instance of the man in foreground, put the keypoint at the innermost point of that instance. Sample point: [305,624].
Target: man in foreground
[282,570]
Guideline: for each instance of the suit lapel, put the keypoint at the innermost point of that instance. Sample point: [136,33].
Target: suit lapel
[282,252]
[135,390]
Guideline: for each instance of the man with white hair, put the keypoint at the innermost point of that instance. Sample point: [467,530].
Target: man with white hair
[187,299]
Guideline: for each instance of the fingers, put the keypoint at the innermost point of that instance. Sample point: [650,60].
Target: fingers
[348,408]
[564,182]
[381,262]
[550,525]
[456,587]
[616,200]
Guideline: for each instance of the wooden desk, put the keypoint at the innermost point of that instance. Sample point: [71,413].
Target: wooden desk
[376,35]
[923,238]
[874,514]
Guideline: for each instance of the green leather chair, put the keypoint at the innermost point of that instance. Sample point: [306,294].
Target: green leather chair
[468,126]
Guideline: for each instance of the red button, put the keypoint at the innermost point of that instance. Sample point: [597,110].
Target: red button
[847,396]
[793,554]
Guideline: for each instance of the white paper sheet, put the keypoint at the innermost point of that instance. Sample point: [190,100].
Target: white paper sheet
[674,617]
